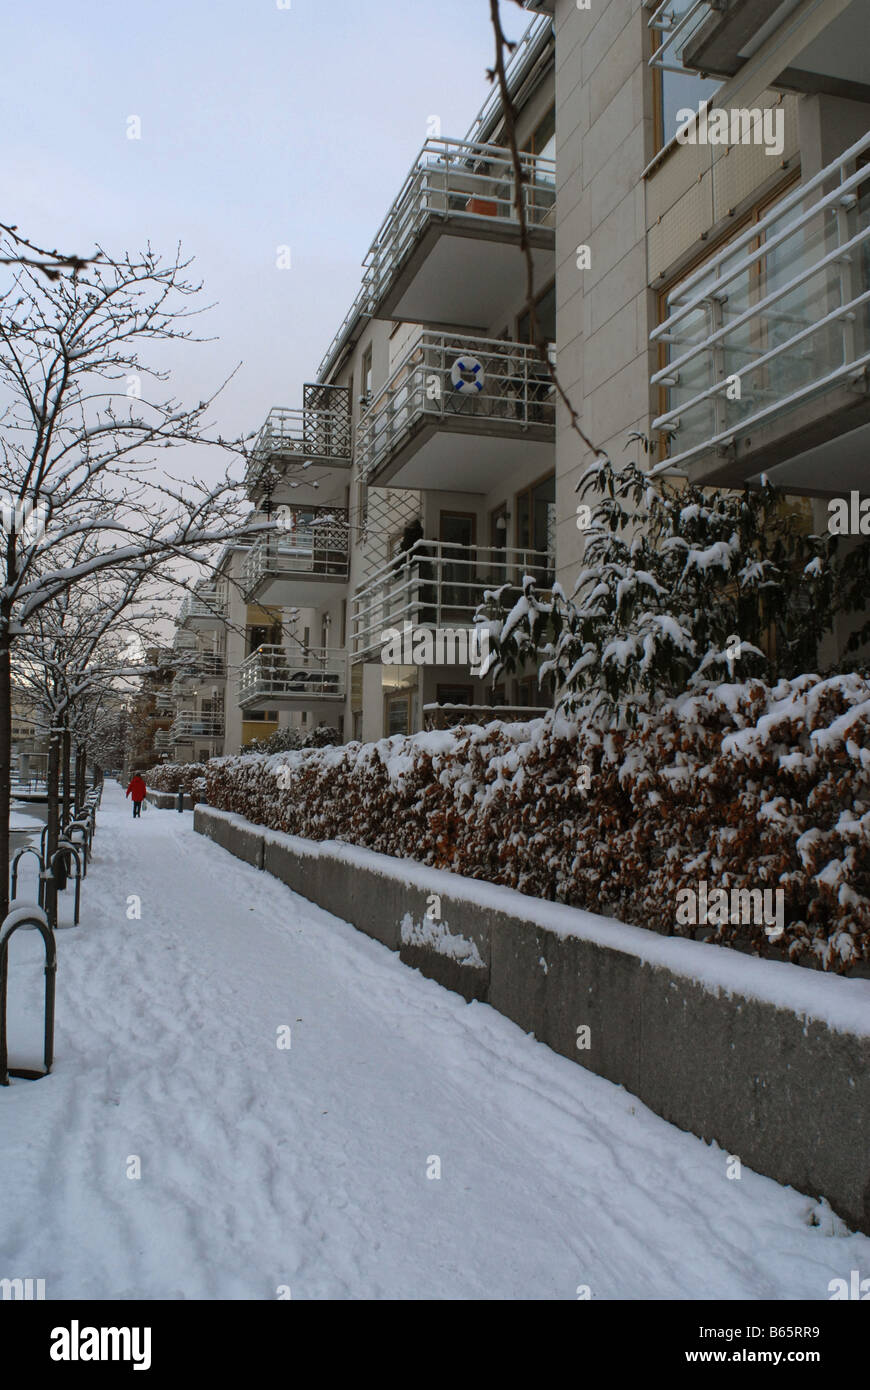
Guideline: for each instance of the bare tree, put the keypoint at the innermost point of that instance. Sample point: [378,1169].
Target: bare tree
[20,250]
[83,417]
[75,661]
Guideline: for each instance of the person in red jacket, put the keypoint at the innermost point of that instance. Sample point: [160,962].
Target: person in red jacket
[137,790]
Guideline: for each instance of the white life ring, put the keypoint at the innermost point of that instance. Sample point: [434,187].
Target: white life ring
[467,374]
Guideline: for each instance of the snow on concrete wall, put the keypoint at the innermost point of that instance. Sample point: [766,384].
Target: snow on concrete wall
[769,1060]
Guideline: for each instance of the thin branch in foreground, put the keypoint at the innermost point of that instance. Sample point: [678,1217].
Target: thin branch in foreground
[499,74]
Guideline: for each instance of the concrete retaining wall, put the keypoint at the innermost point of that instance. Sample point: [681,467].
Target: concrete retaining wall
[168,801]
[767,1059]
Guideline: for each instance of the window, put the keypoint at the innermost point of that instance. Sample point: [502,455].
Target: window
[545,315]
[536,523]
[366,376]
[675,91]
[528,694]
[454,694]
[262,636]
[398,714]
[543,139]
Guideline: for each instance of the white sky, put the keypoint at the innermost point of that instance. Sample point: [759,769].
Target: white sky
[260,127]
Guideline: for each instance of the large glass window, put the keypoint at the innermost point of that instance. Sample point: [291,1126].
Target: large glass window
[678,88]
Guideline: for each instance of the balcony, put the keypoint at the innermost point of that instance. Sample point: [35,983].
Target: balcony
[183,643]
[318,433]
[201,669]
[164,703]
[459,414]
[163,741]
[436,584]
[717,37]
[189,725]
[292,676]
[203,609]
[298,565]
[767,345]
[446,255]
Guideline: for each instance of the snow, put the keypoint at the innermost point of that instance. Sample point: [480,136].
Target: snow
[22,823]
[306,1167]
[843,1005]
[25,912]
[441,939]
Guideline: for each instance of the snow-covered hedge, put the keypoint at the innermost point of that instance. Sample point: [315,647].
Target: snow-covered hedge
[178,777]
[743,787]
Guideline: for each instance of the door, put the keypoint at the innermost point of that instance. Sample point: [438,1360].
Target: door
[458,535]
[536,528]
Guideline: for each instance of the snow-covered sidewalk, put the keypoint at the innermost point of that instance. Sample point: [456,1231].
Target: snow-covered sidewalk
[308,1167]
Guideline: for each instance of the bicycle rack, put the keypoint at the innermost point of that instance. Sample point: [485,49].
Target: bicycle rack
[79,828]
[28,916]
[27,849]
[64,848]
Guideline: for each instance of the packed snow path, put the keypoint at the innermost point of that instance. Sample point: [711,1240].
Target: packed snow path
[307,1167]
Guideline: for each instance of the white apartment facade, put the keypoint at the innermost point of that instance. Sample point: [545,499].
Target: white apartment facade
[705,289]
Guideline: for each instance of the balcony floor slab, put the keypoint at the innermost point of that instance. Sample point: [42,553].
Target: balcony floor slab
[466,454]
[456,279]
[289,590]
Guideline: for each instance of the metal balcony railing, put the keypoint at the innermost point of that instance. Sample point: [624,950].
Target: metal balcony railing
[524,54]
[462,182]
[436,584]
[164,702]
[163,741]
[360,309]
[189,725]
[199,669]
[292,673]
[207,602]
[183,642]
[783,311]
[311,541]
[428,386]
[320,430]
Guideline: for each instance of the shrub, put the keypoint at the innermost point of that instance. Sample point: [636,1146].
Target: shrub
[744,786]
[189,778]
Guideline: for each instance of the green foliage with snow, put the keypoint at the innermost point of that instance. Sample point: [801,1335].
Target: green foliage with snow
[681,587]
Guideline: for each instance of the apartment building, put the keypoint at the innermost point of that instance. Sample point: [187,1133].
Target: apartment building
[29,737]
[152,709]
[703,279]
[420,471]
[229,660]
[722,310]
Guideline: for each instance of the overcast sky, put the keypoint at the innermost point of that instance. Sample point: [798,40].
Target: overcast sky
[260,127]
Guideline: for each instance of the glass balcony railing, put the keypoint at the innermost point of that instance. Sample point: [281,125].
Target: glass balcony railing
[454,380]
[780,315]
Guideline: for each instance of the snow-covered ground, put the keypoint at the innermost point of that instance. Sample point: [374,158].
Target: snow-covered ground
[306,1167]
